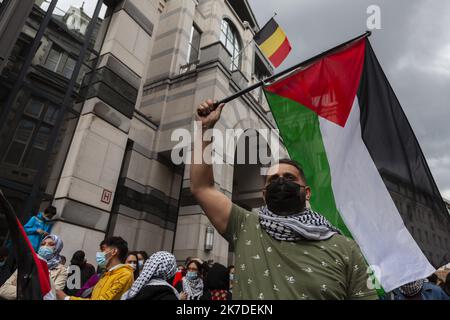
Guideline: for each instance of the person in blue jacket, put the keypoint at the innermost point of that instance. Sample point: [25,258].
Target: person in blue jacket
[39,226]
[419,290]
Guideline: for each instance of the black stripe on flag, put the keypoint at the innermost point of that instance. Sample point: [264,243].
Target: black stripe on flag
[28,283]
[266,32]
[398,157]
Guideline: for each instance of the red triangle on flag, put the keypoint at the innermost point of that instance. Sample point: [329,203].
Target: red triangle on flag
[328,86]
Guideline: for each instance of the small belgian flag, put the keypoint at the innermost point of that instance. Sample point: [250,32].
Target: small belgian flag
[273,42]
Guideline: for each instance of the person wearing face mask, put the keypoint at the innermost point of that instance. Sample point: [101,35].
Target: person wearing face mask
[284,251]
[39,226]
[86,289]
[132,261]
[142,257]
[191,287]
[118,276]
[49,251]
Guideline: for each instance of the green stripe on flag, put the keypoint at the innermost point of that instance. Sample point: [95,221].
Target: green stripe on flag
[300,130]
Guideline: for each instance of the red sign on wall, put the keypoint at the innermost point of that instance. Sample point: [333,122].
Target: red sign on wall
[106,196]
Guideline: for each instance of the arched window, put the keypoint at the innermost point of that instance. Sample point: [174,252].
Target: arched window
[230,38]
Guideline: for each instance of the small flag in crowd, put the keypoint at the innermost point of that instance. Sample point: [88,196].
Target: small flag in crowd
[33,280]
[340,119]
[273,42]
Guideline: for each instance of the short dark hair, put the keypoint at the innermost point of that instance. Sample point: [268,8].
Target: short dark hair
[78,258]
[296,165]
[51,210]
[120,244]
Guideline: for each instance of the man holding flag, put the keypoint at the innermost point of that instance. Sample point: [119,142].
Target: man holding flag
[343,125]
[287,251]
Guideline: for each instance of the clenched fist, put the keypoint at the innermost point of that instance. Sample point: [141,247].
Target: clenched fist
[208,114]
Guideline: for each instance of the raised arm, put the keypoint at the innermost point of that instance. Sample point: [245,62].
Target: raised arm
[215,204]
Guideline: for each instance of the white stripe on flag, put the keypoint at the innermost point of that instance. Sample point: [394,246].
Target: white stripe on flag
[367,207]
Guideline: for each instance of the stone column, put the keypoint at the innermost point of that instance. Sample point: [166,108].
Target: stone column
[87,186]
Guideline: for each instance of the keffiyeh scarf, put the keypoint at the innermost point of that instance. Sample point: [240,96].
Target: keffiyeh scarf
[193,288]
[307,225]
[412,289]
[159,268]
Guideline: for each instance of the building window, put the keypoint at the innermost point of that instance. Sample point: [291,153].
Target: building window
[230,39]
[19,143]
[59,62]
[32,135]
[68,68]
[194,45]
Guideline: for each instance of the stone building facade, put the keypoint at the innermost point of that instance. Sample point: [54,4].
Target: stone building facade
[157,60]
[98,90]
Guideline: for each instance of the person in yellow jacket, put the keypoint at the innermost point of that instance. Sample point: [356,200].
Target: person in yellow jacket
[118,278]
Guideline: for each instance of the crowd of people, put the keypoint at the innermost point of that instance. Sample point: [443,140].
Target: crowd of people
[286,251]
[129,275]
[122,274]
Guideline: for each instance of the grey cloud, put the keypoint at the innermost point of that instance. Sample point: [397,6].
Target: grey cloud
[413,48]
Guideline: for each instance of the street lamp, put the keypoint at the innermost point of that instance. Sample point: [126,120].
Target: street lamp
[209,238]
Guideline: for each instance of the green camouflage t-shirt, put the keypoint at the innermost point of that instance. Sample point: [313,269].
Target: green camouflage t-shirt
[270,269]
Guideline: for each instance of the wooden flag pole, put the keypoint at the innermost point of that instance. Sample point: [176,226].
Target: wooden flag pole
[289,70]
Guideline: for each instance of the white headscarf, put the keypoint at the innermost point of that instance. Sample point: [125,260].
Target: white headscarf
[159,268]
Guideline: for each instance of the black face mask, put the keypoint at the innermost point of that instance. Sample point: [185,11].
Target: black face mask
[284,197]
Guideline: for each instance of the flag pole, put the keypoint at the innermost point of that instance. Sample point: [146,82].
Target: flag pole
[249,42]
[289,70]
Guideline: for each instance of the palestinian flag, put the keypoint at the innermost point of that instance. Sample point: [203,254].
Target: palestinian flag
[340,119]
[33,280]
[273,42]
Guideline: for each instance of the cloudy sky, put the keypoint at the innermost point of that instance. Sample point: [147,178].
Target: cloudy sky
[413,47]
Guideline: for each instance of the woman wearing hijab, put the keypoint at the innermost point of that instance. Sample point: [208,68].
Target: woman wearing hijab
[154,281]
[217,283]
[49,251]
[191,286]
